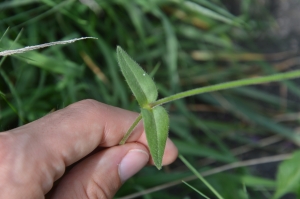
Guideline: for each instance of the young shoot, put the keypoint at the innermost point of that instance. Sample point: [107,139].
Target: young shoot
[155,117]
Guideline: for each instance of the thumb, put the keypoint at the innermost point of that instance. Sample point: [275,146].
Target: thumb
[102,174]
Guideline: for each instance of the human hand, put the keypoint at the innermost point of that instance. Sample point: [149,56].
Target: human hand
[87,133]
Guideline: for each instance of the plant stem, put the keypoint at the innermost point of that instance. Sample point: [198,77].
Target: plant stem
[227,85]
[126,136]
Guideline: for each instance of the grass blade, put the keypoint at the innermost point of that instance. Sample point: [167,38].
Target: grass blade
[199,176]
[187,184]
[6,31]
[207,12]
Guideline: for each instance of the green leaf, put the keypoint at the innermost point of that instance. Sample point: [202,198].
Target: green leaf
[288,176]
[256,182]
[207,12]
[156,124]
[140,83]
[188,148]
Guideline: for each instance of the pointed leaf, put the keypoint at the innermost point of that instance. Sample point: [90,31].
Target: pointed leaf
[156,124]
[140,83]
[288,176]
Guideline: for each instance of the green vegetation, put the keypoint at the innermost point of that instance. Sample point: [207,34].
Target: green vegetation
[183,45]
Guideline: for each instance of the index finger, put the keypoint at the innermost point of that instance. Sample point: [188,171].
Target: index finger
[73,132]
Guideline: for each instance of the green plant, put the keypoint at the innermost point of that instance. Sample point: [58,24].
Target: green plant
[288,177]
[193,47]
[200,178]
[156,120]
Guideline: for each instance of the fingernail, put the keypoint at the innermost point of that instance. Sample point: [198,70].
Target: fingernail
[133,161]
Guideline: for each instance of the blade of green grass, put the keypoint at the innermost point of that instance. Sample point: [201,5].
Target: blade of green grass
[200,177]
[294,88]
[136,17]
[24,14]
[3,35]
[193,33]
[15,94]
[171,51]
[262,120]
[260,95]
[207,12]
[199,192]
[62,8]
[56,7]
[216,8]
[15,3]
[155,69]
[11,106]
[119,87]
[254,181]
[191,149]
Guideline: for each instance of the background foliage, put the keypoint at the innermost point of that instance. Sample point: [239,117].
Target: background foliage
[184,45]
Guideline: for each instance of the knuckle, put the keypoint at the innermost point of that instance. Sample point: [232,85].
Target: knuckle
[95,190]
[84,104]
[85,108]
[85,114]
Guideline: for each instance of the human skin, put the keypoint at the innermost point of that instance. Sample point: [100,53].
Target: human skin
[85,136]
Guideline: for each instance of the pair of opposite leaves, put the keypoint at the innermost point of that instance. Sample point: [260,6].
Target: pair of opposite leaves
[156,119]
